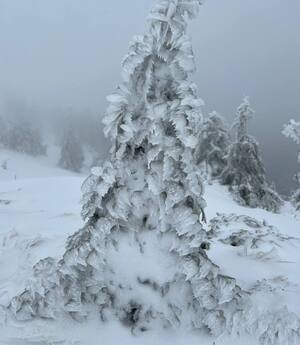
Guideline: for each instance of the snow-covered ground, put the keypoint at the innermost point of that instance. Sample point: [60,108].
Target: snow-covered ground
[40,208]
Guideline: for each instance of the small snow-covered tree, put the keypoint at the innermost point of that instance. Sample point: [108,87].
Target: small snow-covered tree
[245,172]
[213,145]
[244,114]
[292,130]
[144,239]
[71,154]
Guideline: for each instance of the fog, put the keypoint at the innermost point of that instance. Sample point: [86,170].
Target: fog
[62,54]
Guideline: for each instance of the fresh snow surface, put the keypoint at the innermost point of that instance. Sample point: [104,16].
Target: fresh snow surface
[40,207]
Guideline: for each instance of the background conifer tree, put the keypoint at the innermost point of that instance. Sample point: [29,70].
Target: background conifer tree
[245,172]
[292,130]
[19,135]
[213,146]
[71,154]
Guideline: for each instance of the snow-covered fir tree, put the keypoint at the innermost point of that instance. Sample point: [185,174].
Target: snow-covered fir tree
[213,145]
[144,239]
[245,172]
[71,154]
[292,130]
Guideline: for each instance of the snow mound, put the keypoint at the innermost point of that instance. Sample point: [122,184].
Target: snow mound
[265,263]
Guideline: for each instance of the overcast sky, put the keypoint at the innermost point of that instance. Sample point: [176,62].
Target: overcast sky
[67,53]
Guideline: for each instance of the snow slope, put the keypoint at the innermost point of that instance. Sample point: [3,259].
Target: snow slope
[40,208]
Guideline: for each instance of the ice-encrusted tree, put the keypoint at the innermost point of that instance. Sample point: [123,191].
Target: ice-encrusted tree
[71,153]
[292,130]
[213,144]
[245,172]
[141,256]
